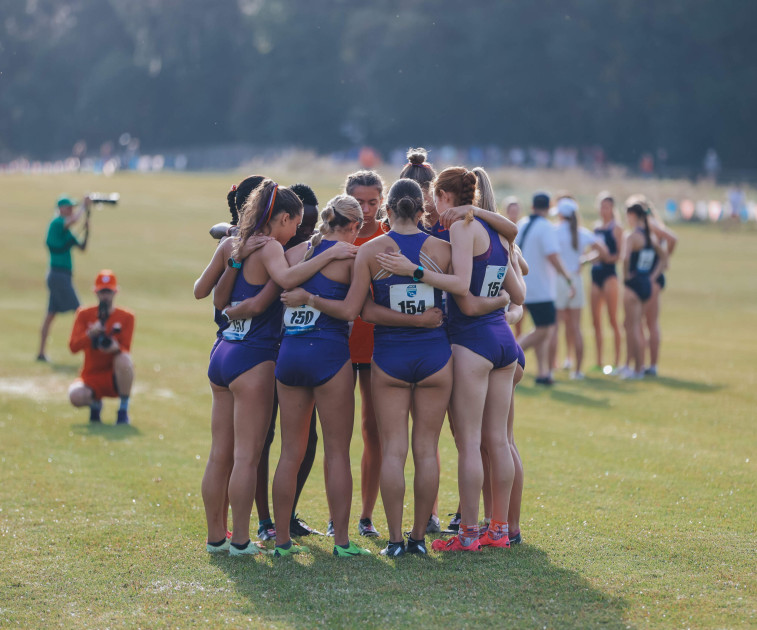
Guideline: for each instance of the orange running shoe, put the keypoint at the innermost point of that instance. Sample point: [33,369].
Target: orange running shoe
[454,544]
[486,541]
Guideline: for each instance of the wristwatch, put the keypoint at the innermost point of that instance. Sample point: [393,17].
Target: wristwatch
[418,274]
[234,264]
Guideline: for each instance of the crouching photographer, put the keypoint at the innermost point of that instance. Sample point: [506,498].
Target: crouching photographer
[103,333]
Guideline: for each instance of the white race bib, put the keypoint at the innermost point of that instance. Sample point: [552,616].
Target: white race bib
[645,261]
[411,299]
[300,319]
[493,279]
[237,329]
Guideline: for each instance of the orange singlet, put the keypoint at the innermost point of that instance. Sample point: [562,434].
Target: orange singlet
[361,337]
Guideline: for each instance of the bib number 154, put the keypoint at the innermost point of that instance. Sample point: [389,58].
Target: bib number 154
[411,299]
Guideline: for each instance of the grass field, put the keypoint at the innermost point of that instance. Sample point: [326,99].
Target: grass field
[640,501]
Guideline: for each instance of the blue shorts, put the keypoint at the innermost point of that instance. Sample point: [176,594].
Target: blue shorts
[600,274]
[230,360]
[661,280]
[311,361]
[641,286]
[411,362]
[493,341]
[521,357]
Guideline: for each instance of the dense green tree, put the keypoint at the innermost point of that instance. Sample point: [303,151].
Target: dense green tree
[628,75]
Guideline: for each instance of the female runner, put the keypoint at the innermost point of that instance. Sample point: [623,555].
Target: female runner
[424,174]
[243,361]
[220,460]
[314,367]
[485,357]
[604,278]
[642,262]
[668,241]
[368,188]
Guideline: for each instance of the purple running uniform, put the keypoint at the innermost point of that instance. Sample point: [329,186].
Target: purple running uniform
[488,335]
[246,343]
[404,352]
[315,345]
[437,230]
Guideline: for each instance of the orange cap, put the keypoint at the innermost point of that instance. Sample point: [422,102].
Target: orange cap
[106,280]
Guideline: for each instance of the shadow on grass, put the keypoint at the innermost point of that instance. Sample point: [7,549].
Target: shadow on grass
[694,386]
[64,368]
[518,588]
[113,432]
[560,395]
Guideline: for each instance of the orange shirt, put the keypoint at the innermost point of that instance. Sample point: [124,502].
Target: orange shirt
[361,337]
[97,360]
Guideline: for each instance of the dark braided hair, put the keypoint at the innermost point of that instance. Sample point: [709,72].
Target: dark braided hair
[239,193]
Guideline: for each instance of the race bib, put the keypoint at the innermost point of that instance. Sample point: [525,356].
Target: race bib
[300,319]
[493,279]
[645,262]
[237,329]
[411,299]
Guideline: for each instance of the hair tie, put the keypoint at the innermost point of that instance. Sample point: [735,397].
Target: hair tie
[421,164]
[233,188]
[266,216]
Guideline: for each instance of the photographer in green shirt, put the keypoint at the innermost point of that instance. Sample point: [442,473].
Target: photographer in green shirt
[60,240]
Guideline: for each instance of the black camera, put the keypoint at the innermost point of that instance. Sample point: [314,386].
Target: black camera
[103,341]
[109,198]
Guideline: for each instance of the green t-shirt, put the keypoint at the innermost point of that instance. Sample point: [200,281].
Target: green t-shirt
[59,241]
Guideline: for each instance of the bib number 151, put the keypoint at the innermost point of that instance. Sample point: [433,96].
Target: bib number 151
[493,279]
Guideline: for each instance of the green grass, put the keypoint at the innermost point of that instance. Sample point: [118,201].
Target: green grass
[640,497]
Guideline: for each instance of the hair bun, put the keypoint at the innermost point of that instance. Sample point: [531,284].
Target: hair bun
[406,206]
[417,157]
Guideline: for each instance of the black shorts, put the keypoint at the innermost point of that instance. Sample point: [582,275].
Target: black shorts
[63,296]
[358,367]
[543,313]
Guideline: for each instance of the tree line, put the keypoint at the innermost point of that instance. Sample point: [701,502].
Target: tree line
[630,76]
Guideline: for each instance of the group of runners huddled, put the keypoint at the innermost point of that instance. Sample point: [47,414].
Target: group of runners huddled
[409,292]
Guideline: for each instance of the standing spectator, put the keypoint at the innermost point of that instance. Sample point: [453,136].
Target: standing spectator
[573,240]
[59,241]
[538,242]
[103,333]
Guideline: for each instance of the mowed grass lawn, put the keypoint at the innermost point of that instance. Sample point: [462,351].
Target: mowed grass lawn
[639,507]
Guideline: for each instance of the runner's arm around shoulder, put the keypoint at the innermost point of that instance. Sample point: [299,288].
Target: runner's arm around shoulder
[287,277]
[383,316]
[457,283]
[347,309]
[500,224]
[255,305]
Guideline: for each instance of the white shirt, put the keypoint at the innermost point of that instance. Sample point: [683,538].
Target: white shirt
[540,242]
[571,257]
